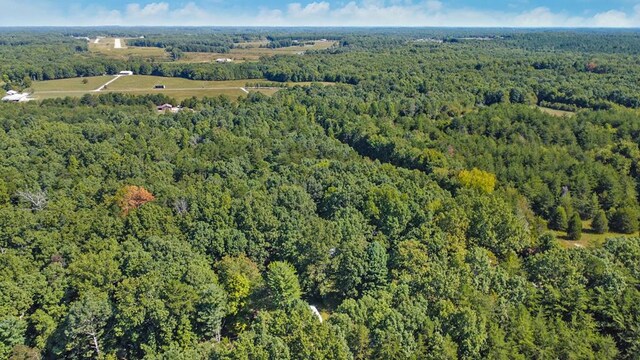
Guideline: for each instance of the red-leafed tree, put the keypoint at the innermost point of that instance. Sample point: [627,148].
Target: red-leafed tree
[132,197]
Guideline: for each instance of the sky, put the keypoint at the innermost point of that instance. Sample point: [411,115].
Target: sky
[454,13]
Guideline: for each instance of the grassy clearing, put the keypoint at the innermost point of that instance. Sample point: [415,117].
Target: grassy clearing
[74,84]
[554,112]
[175,87]
[253,53]
[590,239]
[178,88]
[144,82]
[106,48]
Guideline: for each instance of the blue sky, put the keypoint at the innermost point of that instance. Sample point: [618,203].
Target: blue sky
[507,13]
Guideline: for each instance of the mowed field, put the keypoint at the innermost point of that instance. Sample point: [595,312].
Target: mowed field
[74,84]
[106,47]
[144,82]
[177,88]
[253,52]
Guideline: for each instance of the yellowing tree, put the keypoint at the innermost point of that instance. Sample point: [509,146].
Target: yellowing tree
[478,179]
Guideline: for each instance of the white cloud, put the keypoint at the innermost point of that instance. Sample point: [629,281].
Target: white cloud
[315,13]
[312,9]
[152,9]
[433,5]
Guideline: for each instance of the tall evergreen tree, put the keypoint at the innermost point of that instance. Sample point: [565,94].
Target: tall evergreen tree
[574,230]
[376,273]
[625,220]
[559,220]
[600,224]
[282,284]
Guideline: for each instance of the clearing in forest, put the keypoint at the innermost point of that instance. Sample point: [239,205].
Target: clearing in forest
[554,112]
[177,88]
[106,47]
[589,237]
[244,52]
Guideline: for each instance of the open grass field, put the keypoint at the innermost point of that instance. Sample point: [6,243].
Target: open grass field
[177,88]
[253,53]
[554,112]
[106,47]
[74,84]
[143,82]
[589,238]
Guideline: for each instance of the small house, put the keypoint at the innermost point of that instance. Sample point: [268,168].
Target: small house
[159,87]
[165,107]
[125,73]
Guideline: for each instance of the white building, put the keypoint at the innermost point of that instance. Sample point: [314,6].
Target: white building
[13,96]
[224,60]
[125,73]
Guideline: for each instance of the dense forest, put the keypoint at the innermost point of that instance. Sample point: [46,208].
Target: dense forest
[427,203]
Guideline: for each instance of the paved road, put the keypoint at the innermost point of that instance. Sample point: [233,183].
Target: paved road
[107,83]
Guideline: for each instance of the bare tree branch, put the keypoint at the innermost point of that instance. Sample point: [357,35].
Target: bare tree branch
[37,199]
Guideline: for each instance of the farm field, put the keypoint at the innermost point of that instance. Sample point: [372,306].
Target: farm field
[246,52]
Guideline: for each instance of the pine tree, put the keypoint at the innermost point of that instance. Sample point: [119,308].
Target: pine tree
[625,220]
[559,220]
[574,230]
[282,284]
[600,224]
